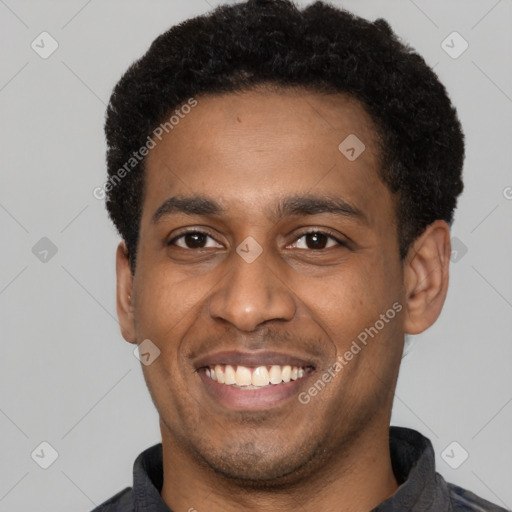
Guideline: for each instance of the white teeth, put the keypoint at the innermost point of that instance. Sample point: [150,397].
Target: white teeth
[219,374]
[252,378]
[260,377]
[243,376]
[275,374]
[229,375]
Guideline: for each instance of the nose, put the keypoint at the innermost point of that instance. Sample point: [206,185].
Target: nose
[251,294]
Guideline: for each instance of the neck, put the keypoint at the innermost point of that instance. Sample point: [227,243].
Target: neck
[354,479]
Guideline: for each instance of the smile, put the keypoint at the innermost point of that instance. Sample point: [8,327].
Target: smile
[250,378]
[253,380]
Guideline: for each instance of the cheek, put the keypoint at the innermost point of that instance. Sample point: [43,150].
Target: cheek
[348,293]
[167,293]
[351,300]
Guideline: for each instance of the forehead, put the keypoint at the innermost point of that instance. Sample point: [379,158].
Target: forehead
[259,145]
[290,115]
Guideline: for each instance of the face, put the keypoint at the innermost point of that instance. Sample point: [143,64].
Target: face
[263,245]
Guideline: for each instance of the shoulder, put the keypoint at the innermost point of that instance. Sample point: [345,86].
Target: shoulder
[463,500]
[120,502]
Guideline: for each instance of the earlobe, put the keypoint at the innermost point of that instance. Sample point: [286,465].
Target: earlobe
[124,292]
[426,273]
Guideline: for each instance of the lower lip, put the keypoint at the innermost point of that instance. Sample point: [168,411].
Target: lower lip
[254,399]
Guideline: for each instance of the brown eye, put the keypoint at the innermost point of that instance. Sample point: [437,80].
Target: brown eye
[194,240]
[316,240]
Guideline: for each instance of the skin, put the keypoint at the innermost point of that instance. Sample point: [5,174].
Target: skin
[303,295]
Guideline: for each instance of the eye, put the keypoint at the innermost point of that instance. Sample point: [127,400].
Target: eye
[194,240]
[316,240]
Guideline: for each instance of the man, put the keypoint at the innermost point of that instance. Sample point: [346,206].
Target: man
[283,181]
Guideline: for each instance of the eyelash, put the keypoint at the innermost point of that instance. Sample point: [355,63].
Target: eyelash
[305,233]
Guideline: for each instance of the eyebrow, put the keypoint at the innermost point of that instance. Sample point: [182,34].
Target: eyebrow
[193,205]
[314,205]
[289,206]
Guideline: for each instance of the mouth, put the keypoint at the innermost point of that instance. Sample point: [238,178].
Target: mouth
[250,378]
[263,382]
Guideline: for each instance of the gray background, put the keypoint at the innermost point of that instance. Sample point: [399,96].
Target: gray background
[66,375]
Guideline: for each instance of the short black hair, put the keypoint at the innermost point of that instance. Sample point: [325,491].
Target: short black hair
[321,48]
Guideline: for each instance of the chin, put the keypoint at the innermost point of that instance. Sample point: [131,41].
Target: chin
[250,465]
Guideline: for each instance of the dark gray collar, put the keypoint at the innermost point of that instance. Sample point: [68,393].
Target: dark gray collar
[421,489]
[413,461]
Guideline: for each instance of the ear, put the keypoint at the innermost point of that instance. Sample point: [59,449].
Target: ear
[124,294]
[426,271]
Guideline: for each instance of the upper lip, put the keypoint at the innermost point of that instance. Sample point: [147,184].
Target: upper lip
[262,358]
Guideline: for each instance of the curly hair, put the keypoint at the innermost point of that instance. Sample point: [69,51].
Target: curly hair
[321,48]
